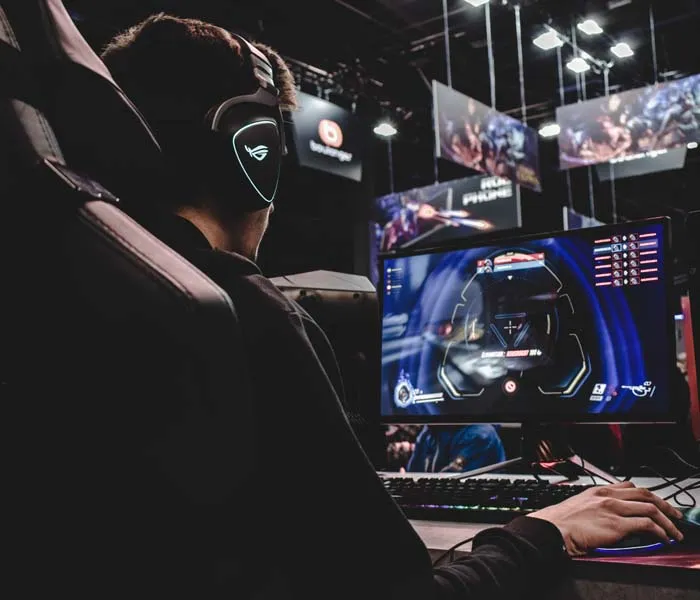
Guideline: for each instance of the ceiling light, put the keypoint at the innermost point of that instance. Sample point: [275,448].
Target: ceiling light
[578,65]
[692,145]
[548,40]
[590,27]
[622,50]
[549,130]
[476,2]
[385,129]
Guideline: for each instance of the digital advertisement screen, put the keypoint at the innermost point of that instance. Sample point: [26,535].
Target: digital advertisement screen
[474,135]
[428,216]
[575,220]
[575,327]
[327,137]
[630,126]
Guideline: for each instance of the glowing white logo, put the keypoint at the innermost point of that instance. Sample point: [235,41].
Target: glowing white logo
[258,153]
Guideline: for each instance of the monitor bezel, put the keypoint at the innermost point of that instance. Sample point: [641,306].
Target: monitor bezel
[675,412]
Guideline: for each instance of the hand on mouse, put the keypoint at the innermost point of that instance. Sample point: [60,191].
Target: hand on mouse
[604,515]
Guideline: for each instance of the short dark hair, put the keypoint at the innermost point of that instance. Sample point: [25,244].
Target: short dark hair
[174,70]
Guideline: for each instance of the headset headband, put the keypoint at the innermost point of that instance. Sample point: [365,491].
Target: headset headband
[258,64]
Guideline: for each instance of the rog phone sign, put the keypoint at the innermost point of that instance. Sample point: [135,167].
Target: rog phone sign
[442,213]
[327,137]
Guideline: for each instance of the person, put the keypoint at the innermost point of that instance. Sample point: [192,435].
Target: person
[329,529]
[456,448]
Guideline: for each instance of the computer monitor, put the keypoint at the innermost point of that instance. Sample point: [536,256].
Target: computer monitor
[572,326]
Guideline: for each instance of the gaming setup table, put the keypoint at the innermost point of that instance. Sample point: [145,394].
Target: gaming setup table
[540,331]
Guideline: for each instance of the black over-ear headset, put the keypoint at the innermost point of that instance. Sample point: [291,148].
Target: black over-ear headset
[248,137]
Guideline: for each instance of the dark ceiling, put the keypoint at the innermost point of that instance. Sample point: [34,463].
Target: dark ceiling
[380,55]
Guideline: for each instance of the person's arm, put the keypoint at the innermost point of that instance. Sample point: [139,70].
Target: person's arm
[515,561]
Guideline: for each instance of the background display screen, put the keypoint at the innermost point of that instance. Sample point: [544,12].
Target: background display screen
[476,136]
[570,327]
[443,212]
[630,126]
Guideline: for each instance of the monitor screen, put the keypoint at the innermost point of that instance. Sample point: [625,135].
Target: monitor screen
[575,326]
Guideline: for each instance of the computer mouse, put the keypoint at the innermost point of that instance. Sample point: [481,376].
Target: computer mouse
[644,543]
[637,543]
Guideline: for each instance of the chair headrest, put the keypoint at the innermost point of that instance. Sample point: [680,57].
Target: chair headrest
[98,129]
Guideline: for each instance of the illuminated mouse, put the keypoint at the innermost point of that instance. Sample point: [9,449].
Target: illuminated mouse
[645,543]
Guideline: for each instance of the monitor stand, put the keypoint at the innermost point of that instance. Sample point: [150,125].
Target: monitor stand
[546,446]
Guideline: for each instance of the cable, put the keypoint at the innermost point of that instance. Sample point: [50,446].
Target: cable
[680,458]
[446,27]
[489,43]
[521,75]
[674,483]
[668,482]
[451,550]
[685,490]
[587,472]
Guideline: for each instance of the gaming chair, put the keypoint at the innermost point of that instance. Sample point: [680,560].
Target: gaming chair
[124,391]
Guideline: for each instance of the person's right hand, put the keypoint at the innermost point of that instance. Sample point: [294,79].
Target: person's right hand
[604,515]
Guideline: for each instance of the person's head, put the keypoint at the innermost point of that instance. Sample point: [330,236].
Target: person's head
[175,71]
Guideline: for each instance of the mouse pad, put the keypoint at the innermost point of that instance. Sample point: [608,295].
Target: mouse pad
[680,557]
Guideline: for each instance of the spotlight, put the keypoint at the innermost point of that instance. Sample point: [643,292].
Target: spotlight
[476,2]
[548,40]
[549,130]
[578,65]
[590,27]
[622,50]
[385,129]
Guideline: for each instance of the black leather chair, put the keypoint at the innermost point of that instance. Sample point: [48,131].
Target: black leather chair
[123,383]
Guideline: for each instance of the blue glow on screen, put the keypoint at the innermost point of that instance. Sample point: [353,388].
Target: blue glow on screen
[556,327]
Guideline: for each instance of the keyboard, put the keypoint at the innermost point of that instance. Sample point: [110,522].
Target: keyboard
[496,500]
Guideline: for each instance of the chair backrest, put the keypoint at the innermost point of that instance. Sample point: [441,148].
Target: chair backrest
[101,132]
[123,379]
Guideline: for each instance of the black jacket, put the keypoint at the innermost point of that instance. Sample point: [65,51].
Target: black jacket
[332,530]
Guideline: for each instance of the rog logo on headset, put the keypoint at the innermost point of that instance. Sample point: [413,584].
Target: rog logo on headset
[258,153]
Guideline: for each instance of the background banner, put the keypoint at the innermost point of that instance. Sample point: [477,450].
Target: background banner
[472,134]
[428,216]
[327,137]
[624,128]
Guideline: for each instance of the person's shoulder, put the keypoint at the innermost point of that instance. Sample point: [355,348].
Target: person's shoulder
[258,293]
[249,290]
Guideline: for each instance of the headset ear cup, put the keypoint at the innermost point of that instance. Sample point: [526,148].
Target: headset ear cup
[244,166]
